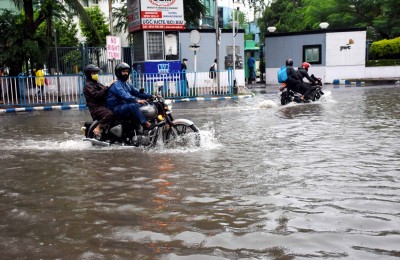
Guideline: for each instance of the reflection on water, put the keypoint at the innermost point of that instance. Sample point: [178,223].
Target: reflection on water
[314,180]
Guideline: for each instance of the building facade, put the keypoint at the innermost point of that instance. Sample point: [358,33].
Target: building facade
[333,53]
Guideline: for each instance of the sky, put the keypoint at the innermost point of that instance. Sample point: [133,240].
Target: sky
[244,9]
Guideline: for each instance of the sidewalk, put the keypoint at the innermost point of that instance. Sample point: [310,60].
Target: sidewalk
[83,106]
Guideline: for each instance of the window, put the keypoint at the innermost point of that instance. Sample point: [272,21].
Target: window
[162,45]
[155,46]
[171,45]
[312,54]
[138,46]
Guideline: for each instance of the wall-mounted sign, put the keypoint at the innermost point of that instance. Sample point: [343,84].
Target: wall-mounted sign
[155,15]
[113,47]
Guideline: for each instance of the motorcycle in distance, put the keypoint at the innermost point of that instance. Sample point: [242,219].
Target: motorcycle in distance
[131,133]
[288,96]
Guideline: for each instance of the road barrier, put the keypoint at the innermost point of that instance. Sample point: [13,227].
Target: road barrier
[22,91]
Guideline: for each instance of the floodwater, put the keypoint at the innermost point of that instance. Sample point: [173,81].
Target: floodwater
[300,181]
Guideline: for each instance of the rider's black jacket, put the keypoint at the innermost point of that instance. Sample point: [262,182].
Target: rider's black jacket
[302,73]
[95,93]
[293,80]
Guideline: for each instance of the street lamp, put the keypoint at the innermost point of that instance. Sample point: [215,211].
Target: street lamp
[323,25]
[271,29]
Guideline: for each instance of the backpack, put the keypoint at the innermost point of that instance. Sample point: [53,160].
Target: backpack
[212,73]
[282,74]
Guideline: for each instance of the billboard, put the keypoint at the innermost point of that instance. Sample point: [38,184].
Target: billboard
[155,15]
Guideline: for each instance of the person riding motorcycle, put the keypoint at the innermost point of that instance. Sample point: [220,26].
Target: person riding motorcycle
[302,72]
[124,99]
[294,83]
[96,94]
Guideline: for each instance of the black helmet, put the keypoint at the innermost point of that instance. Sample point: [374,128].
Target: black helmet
[90,69]
[289,62]
[120,67]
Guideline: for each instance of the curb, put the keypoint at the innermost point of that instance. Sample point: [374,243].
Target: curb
[347,82]
[83,106]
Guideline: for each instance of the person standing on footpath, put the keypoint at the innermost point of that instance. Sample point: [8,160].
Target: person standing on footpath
[213,76]
[183,69]
[39,80]
[251,63]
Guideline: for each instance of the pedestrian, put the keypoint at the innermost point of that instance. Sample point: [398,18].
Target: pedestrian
[39,81]
[184,76]
[213,76]
[251,63]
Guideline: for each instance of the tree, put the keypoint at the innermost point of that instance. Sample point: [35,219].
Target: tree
[16,48]
[99,21]
[380,17]
[25,42]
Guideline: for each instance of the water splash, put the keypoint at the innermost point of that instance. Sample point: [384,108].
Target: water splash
[267,104]
[68,142]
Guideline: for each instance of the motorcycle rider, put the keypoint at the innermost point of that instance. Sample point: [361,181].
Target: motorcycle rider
[124,99]
[96,94]
[294,83]
[302,72]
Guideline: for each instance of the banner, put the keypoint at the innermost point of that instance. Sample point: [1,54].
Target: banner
[155,15]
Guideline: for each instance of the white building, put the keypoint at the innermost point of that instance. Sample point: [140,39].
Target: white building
[334,54]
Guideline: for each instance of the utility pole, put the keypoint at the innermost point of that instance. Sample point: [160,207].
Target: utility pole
[217,39]
[111,30]
[57,67]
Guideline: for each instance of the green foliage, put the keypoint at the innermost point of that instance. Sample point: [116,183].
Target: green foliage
[381,17]
[67,33]
[385,49]
[99,21]
[15,47]
[383,62]
[193,11]
[73,58]
[248,37]
[240,17]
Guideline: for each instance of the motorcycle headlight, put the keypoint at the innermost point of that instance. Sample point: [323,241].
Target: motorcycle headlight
[168,105]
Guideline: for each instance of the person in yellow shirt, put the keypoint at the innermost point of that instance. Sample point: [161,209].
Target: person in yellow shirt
[39,81]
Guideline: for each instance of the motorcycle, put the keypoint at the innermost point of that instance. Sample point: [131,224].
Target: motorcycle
[288,96]
[131,132]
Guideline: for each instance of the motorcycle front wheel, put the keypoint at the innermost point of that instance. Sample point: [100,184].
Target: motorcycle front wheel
[182,134]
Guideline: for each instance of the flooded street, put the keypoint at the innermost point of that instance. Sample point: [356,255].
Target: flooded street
[300,181]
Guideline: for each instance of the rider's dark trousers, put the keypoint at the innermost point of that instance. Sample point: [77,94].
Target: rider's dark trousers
[103,114]
[306,89]
[129,111]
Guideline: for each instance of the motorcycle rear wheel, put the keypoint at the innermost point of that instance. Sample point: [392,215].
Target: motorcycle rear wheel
[182,134]
[285,98]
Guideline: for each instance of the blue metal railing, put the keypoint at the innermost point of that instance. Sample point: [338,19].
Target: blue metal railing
[22,91]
